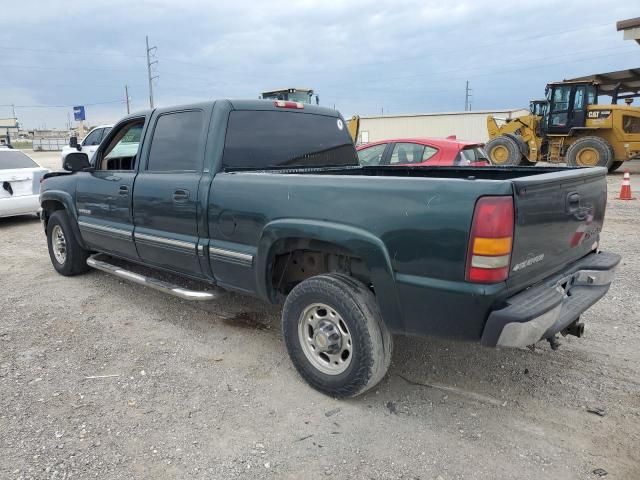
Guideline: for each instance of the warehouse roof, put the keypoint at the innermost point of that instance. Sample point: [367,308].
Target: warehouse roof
[472,112]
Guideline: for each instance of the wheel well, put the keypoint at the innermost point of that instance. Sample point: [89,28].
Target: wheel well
[48,207]
[294,260]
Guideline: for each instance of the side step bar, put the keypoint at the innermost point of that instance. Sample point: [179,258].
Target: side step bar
[161,285]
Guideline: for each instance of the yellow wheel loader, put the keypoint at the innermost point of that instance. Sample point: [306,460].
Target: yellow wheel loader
[572,126]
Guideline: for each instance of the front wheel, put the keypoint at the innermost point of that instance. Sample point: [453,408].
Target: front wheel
[67,256]
[503,151]
[335,335]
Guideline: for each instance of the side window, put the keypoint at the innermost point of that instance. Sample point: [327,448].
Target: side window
[93,138]
[428,153]
[404,153]
[176,142]
[121,152]
[372,155]
[630,124]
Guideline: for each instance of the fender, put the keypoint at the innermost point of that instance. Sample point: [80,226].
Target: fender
[66,200]
[360,242]
[522,145]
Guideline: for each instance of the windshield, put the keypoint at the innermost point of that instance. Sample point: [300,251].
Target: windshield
[15,159]
[269,139]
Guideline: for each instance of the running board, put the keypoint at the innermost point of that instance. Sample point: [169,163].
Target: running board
[160,285]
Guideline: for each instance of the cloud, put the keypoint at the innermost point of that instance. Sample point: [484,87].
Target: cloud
[361,55]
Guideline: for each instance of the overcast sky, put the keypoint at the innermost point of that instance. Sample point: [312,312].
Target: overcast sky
[362,56]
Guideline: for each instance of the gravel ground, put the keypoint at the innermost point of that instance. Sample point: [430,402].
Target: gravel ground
[104,379]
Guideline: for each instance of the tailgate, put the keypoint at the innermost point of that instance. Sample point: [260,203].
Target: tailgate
[558,220]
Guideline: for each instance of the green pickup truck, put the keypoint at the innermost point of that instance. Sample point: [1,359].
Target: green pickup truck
[267,198]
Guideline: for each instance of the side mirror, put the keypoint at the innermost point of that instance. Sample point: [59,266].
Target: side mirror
[73,142]
[76,162]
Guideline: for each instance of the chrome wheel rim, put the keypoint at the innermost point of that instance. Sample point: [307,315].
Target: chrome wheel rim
[325,339]
[59,244]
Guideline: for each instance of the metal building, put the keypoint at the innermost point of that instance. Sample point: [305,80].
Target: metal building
[471,125]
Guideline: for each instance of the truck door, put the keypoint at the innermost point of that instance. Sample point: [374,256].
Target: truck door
[166,209]
[560,107]
[579,111]
[103,197]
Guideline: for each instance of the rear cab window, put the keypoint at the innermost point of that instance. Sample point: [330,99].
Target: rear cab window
[265,139]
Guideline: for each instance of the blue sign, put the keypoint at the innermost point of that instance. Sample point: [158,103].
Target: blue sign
[78,113]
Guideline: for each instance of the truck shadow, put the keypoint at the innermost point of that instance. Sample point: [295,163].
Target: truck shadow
[422,369]
[436,367]
[7,222]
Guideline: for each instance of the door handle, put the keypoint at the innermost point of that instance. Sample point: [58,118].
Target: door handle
[181,195]
[124,190]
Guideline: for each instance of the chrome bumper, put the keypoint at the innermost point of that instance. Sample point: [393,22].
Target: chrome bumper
[548,308]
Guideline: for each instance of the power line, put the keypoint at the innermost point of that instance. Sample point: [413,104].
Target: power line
[63,106]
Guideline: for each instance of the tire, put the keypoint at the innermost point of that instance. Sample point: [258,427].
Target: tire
[524,150]
[74,259]
[615,165]
[352,313]
[503,151]
[590,152]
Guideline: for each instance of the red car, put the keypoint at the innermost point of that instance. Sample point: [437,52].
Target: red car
[423,152]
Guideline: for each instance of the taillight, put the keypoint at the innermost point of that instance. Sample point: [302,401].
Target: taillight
[288,104]
[491,240]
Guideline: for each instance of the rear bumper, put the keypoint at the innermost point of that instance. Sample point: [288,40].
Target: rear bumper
[549,307]
[22,205]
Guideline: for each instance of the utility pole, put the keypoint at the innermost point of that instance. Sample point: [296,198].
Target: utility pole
[149,64]
[467,98]
[126,96]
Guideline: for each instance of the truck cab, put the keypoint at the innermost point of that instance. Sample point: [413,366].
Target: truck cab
[88,144]
[301,95]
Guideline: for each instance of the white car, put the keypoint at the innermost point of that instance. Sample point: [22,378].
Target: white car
[20,177]
[89,144]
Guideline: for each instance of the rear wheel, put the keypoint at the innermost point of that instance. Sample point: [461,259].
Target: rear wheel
[614,166]
[335,335]
[504,151]
[67,256]
[590,152]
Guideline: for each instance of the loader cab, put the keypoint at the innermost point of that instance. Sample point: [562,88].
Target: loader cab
[567,106]
[538,107]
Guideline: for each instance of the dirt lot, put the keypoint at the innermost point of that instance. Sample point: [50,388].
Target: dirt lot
[206,391]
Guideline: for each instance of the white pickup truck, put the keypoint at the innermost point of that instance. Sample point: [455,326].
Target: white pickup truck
[89,144]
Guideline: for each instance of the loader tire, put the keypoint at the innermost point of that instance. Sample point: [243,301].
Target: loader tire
[590,152]
[504,151]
